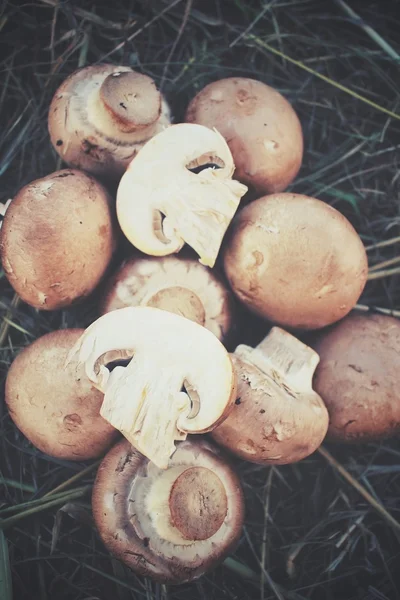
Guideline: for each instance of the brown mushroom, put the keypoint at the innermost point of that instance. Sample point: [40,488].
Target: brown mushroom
[57,239]
[57,409]
[358,377]
[102,115]
[278,418]
[295,261]
[172,525]
[262,130]
[176,284]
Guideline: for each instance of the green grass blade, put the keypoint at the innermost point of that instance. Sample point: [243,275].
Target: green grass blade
[5,571]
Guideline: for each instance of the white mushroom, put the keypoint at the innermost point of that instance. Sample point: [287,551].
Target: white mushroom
[183,174]
[179,381]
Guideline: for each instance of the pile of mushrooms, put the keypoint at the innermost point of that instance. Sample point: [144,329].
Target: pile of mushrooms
[164,366]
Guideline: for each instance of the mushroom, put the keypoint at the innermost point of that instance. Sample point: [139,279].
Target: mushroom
[178,190]
[57,239]
[180,285]
[179,381]
[102,115]
[358,377]
[262,129]
[278,418]
[295,261]
[57,409]
[172,525]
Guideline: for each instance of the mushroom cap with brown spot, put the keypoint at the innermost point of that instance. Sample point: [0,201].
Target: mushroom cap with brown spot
[125,522]
[295,260]
[358,377]
[57,239]
[262,130]
[270,424]
[56,407]
[174,283]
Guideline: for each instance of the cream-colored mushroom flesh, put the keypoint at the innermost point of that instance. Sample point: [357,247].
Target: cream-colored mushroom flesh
[172,525]
[102,115]
[179,285]
[278,418]
[179,380]
[163,201]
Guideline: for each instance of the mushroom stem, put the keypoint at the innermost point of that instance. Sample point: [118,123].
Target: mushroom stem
[287,357]
[126,100]
[187,502]
[178,300]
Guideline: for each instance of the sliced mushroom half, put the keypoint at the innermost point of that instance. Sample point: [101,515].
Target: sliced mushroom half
[180,378]
[179,189]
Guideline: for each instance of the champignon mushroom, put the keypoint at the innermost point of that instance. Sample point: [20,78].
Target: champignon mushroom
[262,129]
[178,190]
[180,285]
[295,261]
[172,525]
[278,418]
[57,409]
[179,381]
[102,115]
[358,377]
[57,239]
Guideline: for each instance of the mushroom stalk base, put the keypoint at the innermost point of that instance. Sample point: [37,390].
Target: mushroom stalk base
[180,301]
[188,503]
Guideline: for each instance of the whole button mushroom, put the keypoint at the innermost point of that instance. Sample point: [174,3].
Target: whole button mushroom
[180,285]
[102,115]
[295,261]
[172,525]
[57,239]
[180,378]
[262,129]
[278,418]
[57,409]
[178,190]
[358,377]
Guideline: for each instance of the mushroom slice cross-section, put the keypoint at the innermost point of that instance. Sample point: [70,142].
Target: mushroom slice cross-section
[179,189]
[179,380]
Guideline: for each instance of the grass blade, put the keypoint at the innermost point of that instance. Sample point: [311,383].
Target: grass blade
[5,571]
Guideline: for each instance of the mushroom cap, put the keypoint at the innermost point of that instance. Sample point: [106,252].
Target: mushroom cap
[101,115]
[57,239]
[131,526]
[180,378]
[295,260]
[179,285]
[261,127]
[358,377]
[277,418]
[57,409]
[165,201]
